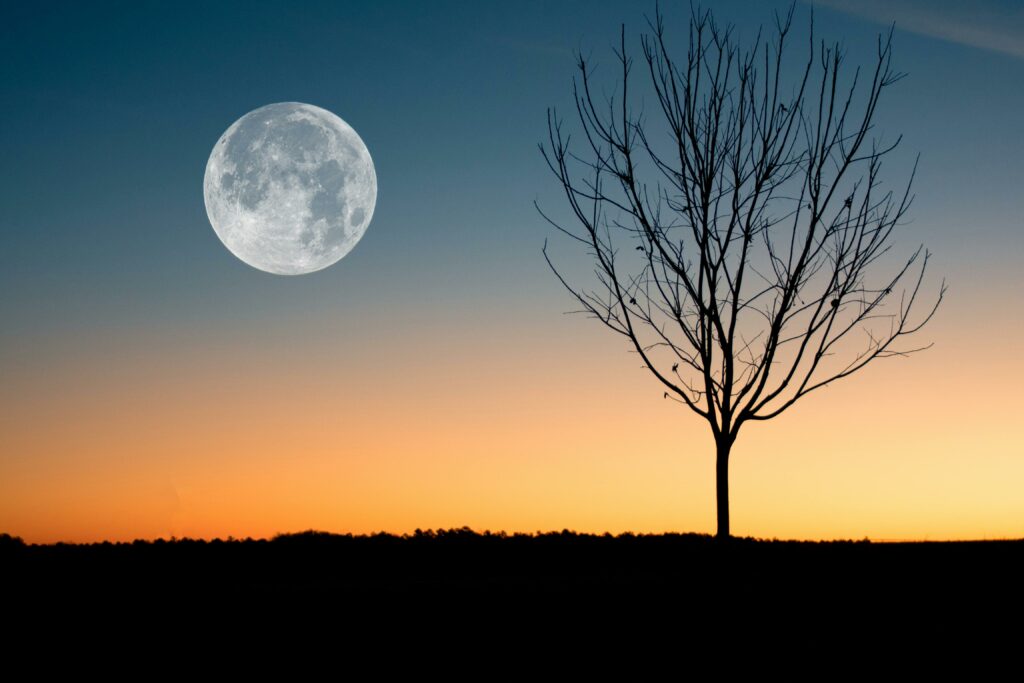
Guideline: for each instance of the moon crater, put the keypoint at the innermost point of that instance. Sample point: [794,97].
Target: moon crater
[290,188]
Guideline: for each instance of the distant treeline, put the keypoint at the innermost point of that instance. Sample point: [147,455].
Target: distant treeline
[462,533]
[546,560]
[545,579]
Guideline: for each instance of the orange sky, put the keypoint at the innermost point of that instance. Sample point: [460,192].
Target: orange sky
[498,423]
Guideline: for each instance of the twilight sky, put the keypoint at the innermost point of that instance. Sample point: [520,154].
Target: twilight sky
[154,385]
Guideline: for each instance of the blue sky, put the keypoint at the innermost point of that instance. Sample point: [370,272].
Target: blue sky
[110,110]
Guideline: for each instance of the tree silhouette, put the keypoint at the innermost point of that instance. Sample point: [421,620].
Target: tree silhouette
[737,224]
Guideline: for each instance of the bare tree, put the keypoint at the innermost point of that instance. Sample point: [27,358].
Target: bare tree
[736,230]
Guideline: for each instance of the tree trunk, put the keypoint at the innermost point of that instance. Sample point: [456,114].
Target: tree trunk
[722,486]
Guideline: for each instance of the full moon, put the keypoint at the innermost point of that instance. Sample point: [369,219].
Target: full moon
[290,188]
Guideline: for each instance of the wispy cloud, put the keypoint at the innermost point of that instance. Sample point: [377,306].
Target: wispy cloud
[989,25]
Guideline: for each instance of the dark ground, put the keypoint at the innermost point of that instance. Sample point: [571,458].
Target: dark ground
[460,586]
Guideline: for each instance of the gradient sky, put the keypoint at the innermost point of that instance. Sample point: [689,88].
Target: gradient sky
[153,385]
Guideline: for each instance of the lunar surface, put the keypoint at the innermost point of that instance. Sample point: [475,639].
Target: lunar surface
[290,188]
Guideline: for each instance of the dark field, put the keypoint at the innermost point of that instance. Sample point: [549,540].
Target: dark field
[468,583]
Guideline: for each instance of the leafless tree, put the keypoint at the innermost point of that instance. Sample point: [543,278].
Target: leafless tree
[737,229]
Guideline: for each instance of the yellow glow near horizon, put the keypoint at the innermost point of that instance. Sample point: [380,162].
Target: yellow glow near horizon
[203,436]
